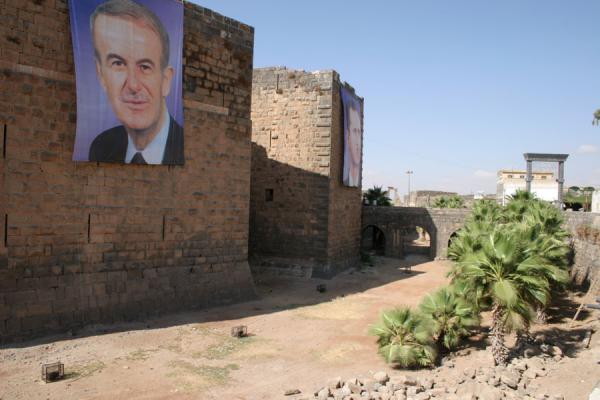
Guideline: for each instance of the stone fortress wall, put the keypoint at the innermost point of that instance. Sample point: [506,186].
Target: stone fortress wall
[88,242]
[302,217]
[442,223]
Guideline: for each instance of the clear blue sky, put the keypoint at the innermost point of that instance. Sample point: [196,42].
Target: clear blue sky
[454,90]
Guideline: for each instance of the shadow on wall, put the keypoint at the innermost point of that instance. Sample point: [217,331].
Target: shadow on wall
[373,241]
[288,210]
[290,216]
[406,230]
[276,294]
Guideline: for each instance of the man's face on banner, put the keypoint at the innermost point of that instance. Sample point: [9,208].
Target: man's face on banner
[354,136]
[130,71]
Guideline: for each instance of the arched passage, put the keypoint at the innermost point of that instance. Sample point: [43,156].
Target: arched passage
[398,222]
[417,241]
[373,240]
[452,238]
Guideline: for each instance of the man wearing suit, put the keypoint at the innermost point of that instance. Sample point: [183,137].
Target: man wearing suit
[131,49]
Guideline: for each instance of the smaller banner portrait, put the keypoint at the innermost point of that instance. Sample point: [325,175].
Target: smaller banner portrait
[128,68]
[352,138]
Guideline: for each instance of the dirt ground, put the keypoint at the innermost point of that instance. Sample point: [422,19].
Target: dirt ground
[299,338]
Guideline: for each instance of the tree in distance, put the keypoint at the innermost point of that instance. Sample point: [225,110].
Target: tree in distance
[377,196]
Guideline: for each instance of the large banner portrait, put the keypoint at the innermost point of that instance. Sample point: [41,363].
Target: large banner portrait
[352,138]
[128,65]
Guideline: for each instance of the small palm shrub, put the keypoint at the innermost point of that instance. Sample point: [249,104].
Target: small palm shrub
[450,316]
[404,338]
[514,280]
[470,294]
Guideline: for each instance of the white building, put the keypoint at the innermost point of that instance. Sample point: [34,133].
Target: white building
[596,201]
[543,185]
[393,195]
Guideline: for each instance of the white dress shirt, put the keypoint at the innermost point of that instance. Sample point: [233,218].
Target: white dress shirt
[154,152]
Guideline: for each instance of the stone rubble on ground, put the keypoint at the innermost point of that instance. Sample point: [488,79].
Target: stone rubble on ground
[515,381]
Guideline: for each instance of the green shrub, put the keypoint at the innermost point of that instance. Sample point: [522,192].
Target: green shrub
[404,338]
[450,316]
[454,201]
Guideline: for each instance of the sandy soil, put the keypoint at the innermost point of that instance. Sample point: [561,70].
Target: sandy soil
[299,338]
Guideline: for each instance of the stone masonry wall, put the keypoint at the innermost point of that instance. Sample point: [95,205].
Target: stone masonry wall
[291,144]
[91,242]
[295,143]
[585,231]
[345,202]
[396,222]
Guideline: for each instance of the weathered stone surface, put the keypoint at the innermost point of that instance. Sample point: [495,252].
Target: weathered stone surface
[334,383]
[489,393]
[353,387]
[309,219]
[437,392]
[406,380]
[530,374]
[323,394]
[381,377]
[510,380]
[426,383]
[535,363]
[469,373]
[99,243]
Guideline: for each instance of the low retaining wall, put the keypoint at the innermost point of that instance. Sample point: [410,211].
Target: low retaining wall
[585,230]
[397,222]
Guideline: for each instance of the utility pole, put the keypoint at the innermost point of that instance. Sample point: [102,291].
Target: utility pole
[409,173]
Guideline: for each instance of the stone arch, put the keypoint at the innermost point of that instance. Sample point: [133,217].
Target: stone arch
[418,240]
[373,238]
[397,221]
[452,236]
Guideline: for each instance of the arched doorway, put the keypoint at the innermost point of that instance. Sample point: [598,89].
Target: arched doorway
[452,238]
[417,241]
[373,240]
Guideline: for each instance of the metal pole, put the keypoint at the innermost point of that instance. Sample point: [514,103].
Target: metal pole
[561,181]
[529,176]
[409,173]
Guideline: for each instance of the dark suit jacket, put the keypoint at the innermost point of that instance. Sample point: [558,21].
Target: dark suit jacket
[111,145]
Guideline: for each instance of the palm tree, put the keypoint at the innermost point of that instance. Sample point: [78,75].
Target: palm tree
[467,240]
[487,211]
[522,195]
[512,279]
[404,339]
[518,205]
[377,196]
[596,119]
[454,201]
[471,294]
[549,219]
[553,250]
[450,316]
[441,202]
[485,215]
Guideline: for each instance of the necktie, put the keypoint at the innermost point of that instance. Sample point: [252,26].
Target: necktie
[138,159]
